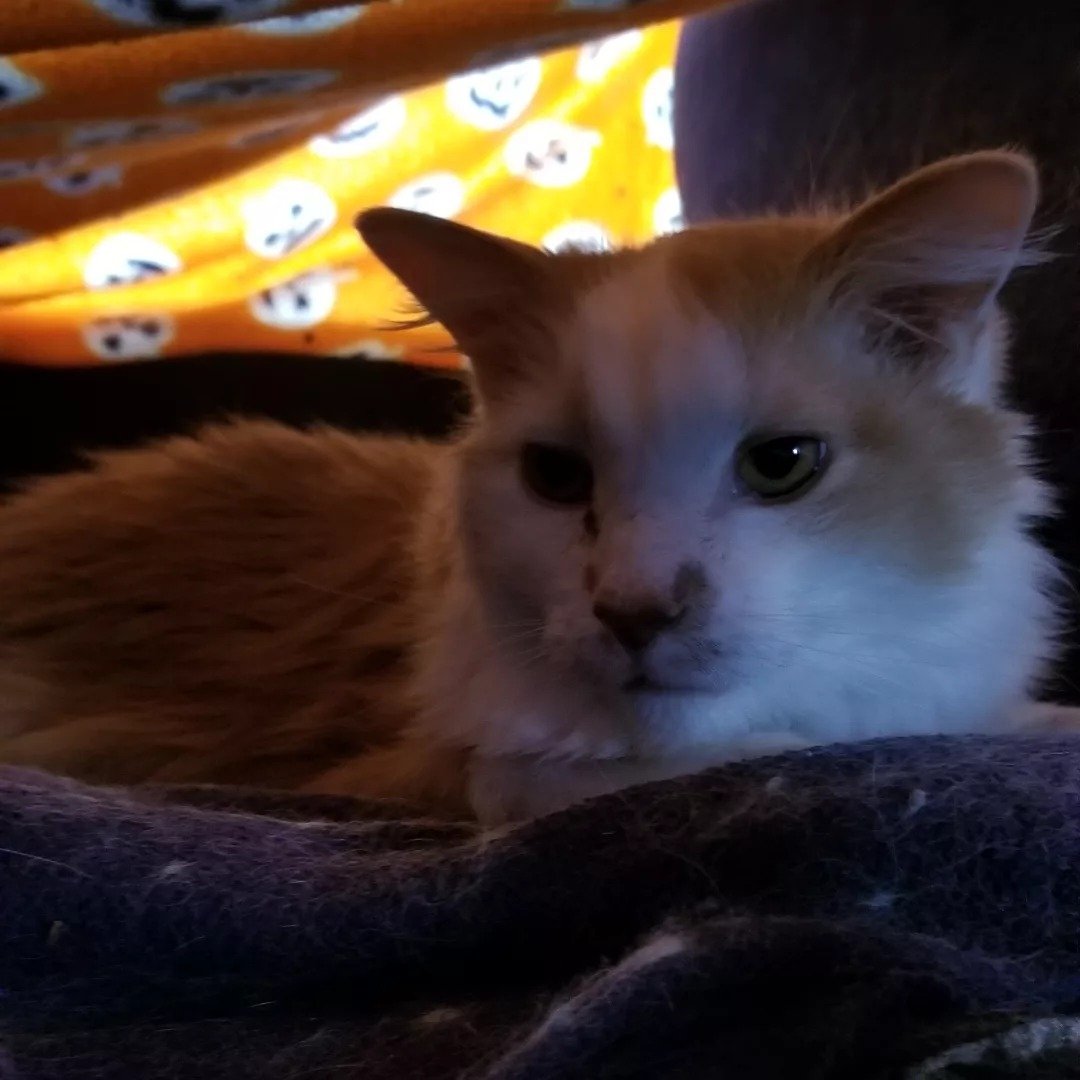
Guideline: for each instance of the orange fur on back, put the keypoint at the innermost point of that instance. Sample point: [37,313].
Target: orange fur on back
[237,607]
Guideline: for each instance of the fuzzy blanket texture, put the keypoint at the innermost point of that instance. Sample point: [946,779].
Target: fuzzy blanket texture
[905,908]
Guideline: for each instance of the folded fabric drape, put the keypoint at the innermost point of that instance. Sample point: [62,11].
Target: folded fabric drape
[182,175]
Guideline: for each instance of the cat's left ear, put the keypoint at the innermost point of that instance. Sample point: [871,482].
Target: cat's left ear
[488,291]
[921,264]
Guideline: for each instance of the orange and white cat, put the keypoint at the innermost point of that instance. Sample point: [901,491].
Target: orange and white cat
[748,488]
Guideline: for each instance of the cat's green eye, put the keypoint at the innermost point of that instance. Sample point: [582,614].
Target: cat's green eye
[780,467]
[556,474]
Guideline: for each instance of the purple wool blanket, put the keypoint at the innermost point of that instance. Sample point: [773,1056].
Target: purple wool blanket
[904,909]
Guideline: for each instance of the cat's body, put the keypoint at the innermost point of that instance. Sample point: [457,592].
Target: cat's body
[612,575]
[220,608]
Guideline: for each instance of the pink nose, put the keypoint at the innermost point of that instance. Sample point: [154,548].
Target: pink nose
[636,627]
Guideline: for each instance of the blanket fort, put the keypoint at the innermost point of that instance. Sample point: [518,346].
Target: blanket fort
[183,177]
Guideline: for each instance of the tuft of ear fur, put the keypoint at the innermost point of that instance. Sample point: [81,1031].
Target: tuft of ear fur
[486,290]
[922,264]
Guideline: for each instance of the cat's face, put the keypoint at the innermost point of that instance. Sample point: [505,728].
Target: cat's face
[721,461]
[684,501]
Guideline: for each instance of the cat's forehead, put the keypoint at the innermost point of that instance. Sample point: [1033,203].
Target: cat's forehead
[696,334]
[640,353]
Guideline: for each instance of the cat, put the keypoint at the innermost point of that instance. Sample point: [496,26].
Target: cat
[748,488]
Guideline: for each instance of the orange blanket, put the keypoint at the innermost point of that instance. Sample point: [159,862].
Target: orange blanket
[181,175]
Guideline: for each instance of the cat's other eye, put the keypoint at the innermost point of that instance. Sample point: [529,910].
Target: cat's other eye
[556,474]
[780,467]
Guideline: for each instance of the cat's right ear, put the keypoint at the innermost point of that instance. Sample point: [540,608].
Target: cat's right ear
[489,292]
[921,265]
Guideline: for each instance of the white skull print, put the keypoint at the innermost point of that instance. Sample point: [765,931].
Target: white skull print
[286,217]
[441,194]
[128,337]
[657,107]
[577,236]
[369,130]
[84,181]
[13,170]
[124,132]
[313,22]
[668,213]
[187,14]
[494,97]
[301,302]
[550,153]
[126,258]
[244,86]
[16,86]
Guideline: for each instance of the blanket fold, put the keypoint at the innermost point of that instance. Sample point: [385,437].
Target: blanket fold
[846,912]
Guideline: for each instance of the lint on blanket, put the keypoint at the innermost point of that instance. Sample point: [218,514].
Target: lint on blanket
[184,176]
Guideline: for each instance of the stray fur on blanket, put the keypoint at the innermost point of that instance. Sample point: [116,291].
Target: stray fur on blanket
[903,908]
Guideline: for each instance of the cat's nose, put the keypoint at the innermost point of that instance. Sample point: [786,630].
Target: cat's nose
[636,626]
